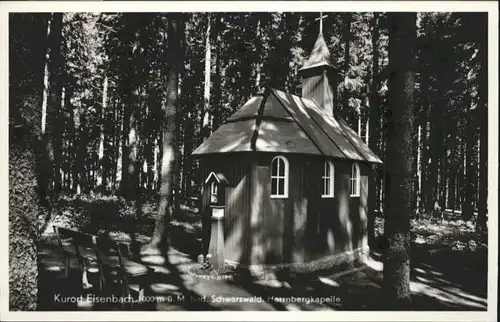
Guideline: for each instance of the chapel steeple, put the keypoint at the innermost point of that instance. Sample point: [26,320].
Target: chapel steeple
[319,75]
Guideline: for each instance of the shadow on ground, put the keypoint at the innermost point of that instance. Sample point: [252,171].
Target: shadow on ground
[167,288]
[442,278]
[438,283]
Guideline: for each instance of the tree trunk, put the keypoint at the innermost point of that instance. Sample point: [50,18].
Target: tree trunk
[347,59]
[65,158]
[188,149]
[452,187]
[481,223]
[118,134]
[124,183]
[217,82]
[374,127]
[180,32]
[160,237]
[80,154]
[100,174]
[46,90]
[258,49]
[442,179]
[420,138]
[435,149]
[29,166]
[50,121]
[132,149]
[426,122]
[471,169]
[149,150]
[74,137]
[205,119]
[402,38]
[23,216]
[462,167]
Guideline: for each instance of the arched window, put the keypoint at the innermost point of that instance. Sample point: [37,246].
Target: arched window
[328,180]
[279,177]
[355,180]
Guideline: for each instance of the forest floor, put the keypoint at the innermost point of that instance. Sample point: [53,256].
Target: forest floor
[449,267]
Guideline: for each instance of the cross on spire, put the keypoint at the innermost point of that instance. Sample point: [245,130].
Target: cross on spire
[320,18]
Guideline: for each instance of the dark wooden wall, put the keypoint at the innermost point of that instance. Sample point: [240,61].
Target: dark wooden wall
[303,227]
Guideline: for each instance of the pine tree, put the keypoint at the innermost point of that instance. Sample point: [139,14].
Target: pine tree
[28,159]
[481,223]
[374,128]
[205,116]
[402,37]
[53,128]
[160,235]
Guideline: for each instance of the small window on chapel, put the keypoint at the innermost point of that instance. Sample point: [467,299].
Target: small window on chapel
[328,180]
[355,180]
[279,177]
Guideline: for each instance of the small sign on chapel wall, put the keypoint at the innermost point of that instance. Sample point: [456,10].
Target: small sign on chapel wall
[216,184]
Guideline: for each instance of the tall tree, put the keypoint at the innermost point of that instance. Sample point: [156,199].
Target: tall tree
[471,164]
[374,127]
[29,165]
[217,79]
[347,19]
[128,39]
[206,117]
[51,126]
[179,147]
[101,178]
[160,237]
[132,154]
[482,56]
[402,38]
[258,50]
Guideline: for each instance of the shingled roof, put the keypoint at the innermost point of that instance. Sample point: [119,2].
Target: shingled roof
[284,123]
[320,55]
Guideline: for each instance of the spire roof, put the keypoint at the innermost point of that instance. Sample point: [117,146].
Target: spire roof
[320,55]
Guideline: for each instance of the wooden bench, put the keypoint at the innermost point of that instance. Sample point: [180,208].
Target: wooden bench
[118,267]
[83,247]
[112,259]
